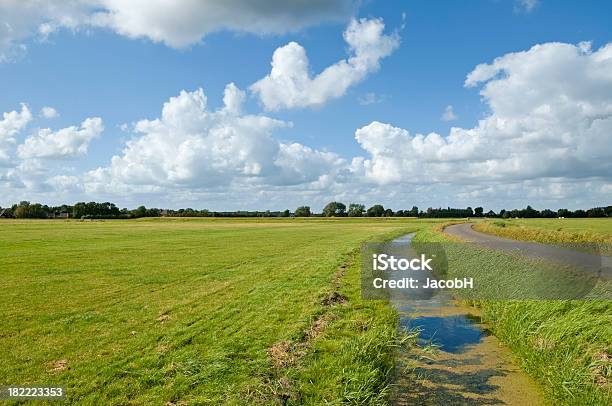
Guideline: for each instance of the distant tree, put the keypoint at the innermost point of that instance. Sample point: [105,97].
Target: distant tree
[20,212]
[189,212]
[153,212]
[38,211]
[448,212]
[32,211]
[79,210]
[302,211]
[596,212]
[356,210]
[141,211]
[564,213]
[96,210]
[529,212]
[376,211]
[334,209]
[25,209]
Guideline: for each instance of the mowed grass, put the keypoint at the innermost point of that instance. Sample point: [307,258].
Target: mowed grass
[209,311]
[586,230]
[187,310]
[577,225]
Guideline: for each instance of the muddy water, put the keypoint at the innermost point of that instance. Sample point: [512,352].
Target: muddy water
[469,367]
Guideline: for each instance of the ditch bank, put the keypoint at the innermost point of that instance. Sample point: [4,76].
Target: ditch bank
[566,345]
[459,362]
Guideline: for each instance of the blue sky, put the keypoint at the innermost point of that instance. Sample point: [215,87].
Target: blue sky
[88,70]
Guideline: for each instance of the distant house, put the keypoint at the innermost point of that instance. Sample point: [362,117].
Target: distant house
[60,215]
[5,214]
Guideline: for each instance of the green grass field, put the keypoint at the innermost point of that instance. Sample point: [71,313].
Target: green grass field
[209,311]
[565,344]
[586,230]
[595,225]
[196,310]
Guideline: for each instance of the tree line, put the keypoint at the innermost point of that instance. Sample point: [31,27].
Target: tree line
[107,210]
[338,209]
[81,210]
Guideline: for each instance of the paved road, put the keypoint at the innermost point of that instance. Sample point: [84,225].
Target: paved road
[588,261]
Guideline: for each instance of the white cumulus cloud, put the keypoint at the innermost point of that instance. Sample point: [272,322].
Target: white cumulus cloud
[545,140]
[48,112]
[21,20]
[527,5]
[551,117]
[194,147]
[449,114]
[177,23]
[290,85]
[69,142]
[370,98]
[14,121]
[11,124]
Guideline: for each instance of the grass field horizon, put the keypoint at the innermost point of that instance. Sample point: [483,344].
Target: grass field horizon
[180,309]
[212,310]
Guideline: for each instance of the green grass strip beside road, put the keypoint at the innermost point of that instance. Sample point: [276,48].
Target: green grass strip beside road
[565,344]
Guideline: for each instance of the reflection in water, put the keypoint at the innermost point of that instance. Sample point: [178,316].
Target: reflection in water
[451,333]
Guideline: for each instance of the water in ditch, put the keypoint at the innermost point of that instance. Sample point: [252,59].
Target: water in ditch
[468,365]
